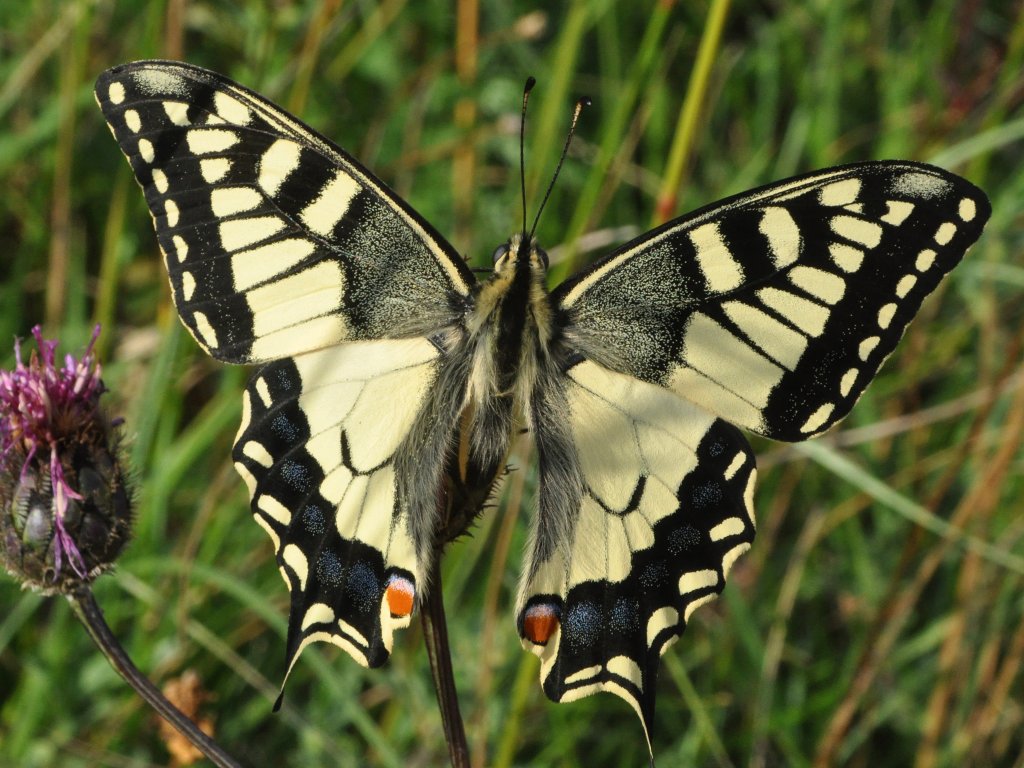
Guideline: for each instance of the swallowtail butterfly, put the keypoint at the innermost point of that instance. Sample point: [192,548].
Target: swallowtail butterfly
[386,364]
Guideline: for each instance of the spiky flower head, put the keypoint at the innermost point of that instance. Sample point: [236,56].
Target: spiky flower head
[65,510]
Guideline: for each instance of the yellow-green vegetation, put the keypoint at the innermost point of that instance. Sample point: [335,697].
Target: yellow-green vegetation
[878,620]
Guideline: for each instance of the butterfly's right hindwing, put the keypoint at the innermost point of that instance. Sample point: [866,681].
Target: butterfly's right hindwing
[276,241]
[661,495]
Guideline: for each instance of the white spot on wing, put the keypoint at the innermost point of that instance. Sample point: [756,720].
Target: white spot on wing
[720,269]
[177,112]
[206,141]
[318,613]
[885,315]
[263,390]
[188,285]
[258,453]
[180,247]
[925,259]
[734,466]
[237,234]
[232,110]
[257,265]
[731,526]
[160,181]
[693,581]
[904,286]
[207,335]
[146,150]
[783,235]
[866,233]
[132,120]
[867,346]
[804,314]
[227,201]
[115,93]
[274,509]
[623,666]
[171,213]
[945,232]
[897,212]
[214,169]
[323,213]
[847,382]
[280,159]
[967,209]
[822,285]
[839,192]
[818,418]
[846,257]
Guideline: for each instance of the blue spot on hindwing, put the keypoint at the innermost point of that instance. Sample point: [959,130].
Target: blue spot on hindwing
[329,569]
[313,520]
[283,428]
[581,625]
[625,616]
[706,496]
[684,539]
[362,586]
[295,474]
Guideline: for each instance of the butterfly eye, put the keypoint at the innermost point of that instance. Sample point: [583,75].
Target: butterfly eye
[543,256]
[500,251]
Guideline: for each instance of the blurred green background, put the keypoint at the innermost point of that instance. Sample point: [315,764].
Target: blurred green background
[879,618]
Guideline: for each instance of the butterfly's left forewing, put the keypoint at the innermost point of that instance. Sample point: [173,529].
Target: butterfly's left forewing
[275,240]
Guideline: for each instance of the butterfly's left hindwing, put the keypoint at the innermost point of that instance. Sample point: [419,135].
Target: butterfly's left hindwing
[276,241]
[666,506]
[320,449]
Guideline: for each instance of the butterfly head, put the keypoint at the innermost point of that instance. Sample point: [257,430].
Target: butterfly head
[520,253]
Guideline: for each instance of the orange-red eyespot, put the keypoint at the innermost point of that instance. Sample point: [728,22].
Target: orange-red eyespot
[540,622]
[401,594]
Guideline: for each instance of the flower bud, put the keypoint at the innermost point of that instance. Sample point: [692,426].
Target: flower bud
[65,507]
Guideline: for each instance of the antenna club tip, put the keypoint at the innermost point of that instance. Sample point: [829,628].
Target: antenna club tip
[584,101]
[530,82]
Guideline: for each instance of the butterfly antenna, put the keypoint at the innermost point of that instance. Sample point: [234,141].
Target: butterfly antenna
[530,82]
[580,104]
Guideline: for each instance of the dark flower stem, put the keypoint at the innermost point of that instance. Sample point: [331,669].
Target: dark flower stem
[435,634]
[88,611]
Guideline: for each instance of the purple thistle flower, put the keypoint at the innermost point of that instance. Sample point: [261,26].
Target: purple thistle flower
[65,507]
